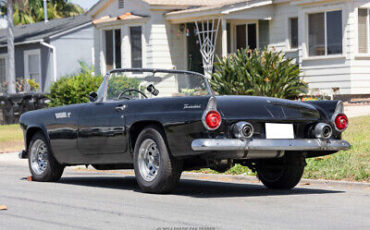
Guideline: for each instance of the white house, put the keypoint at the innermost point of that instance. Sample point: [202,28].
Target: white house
[330,39]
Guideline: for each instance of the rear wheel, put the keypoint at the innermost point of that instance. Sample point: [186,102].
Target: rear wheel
[155,169]
[283,173]
[42,164]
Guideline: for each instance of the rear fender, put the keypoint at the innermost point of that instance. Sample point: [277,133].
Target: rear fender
[137,127]
[328,109]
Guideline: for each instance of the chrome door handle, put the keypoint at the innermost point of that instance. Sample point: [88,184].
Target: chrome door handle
[120,108]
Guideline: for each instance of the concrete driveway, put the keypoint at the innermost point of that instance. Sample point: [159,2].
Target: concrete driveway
[97,200]
[357,110]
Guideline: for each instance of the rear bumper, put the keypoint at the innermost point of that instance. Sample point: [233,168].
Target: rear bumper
[269,144]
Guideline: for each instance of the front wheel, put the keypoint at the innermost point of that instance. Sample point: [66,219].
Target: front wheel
[283,173]
[43,166]
[155,169]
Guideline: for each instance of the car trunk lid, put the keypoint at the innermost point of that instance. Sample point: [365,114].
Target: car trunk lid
[265,108]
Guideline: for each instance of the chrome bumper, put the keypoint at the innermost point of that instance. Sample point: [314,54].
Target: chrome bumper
[22,154]
[269,144]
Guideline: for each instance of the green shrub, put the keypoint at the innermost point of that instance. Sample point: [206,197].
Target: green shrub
[258,73]
[117,83]
[74,89]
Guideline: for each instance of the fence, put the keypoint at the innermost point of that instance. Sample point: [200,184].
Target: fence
[12,106]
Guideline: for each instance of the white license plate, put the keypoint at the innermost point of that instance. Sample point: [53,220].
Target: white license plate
[279,131]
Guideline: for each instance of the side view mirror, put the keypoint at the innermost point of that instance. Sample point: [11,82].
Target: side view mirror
[93,96]
[152,90]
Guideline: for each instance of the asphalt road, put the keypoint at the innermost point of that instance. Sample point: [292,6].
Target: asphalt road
[95,200]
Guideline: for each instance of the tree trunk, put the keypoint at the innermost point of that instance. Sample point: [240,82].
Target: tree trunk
[11,64]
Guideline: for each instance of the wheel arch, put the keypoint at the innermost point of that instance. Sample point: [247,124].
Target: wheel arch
[139,126]
[32,130]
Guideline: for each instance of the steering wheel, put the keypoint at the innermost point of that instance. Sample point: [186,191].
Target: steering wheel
[130,95]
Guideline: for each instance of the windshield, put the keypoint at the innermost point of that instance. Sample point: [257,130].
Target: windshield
[140,85]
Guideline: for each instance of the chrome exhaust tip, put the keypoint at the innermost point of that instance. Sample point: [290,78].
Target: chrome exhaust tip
[322,131]
[243,130]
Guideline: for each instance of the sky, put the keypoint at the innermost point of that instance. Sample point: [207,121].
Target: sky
[86,4]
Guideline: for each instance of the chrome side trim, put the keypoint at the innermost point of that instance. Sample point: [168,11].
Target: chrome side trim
[269,144]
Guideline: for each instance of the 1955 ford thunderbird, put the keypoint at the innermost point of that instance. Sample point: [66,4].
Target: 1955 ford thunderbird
[162,122]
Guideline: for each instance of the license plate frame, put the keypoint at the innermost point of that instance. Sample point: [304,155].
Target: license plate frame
[279,131]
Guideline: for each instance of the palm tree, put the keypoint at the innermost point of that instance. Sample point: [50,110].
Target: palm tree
[67,9]
[21,16]
[30,11]
[56,9]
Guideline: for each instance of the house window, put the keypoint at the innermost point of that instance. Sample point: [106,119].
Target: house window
[32,65]
[228,29]
[246,36]
[325,33]
[241,37]
[2,71]
[121,4]
[252,35]
[293,33]
[117,48]
[136,47]
[113,49]
[363,30]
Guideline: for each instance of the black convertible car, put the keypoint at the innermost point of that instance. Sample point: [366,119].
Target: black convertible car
[162,122]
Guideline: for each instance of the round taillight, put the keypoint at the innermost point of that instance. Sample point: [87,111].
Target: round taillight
[341,122]
[213,119]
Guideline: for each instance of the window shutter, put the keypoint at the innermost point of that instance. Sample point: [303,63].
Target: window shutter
[2,71]
[136,47]
[362,31]
[121,4]
[293,32]
[109,49]
[334,32]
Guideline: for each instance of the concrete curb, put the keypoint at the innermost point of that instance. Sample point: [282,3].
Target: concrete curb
[253,179]
[337,182]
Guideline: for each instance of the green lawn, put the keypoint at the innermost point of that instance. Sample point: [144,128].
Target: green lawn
[353,164]
[11,138]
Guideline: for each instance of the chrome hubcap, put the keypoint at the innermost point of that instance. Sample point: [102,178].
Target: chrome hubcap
[148,160]
[39,157]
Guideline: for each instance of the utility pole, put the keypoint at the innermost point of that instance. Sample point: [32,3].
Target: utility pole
[45,11]
[10,43]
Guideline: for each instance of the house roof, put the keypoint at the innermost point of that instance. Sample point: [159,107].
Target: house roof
[41,30]
[168,3]
[219,5]
[124,17]
[190,2]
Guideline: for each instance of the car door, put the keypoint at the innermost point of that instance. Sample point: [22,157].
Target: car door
[63,132]
[102,129]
